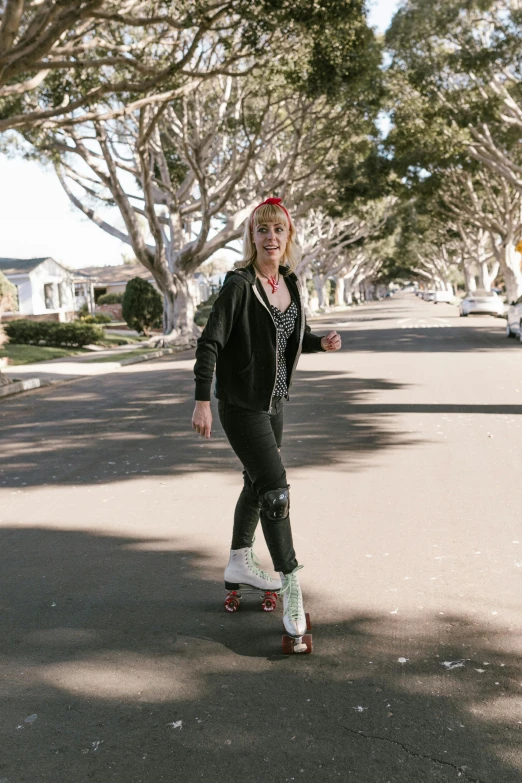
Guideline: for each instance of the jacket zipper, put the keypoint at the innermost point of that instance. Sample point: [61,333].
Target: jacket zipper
[256,292]
[301,334]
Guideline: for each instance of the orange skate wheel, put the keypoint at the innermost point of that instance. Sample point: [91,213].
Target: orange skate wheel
[307,639]
[308,622]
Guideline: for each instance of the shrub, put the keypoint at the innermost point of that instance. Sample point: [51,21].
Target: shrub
[99,318]
[110,299]
[8,295]
[142,306]
[203,310]
[75,334]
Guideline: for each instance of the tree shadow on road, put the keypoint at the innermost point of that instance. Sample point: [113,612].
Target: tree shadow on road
[81,433]
[122,658]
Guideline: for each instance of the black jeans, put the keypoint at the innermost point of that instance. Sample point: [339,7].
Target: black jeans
[256,438]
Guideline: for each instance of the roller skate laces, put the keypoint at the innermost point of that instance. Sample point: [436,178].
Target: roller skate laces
[294,599]
[253,565]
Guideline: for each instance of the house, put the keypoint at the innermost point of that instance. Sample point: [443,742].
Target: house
[114,279]
[46,290]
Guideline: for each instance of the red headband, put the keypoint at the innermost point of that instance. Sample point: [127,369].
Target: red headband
[277,203]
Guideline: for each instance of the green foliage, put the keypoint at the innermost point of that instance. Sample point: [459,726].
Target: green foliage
[7,294]
[7,302]
[142,306]
[110,299]
[203,310]
[99,318]
[328,45]
[52,333]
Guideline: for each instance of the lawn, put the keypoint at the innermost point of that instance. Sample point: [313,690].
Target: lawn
[118,357]
[113,339]
[27,354]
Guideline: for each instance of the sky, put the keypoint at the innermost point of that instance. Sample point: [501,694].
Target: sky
[38,220]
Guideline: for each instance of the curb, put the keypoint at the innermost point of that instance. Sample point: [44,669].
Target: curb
[19,386]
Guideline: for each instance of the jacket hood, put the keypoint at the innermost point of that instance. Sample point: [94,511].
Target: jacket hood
[248,272]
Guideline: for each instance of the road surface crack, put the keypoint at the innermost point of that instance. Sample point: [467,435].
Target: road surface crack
[460,770]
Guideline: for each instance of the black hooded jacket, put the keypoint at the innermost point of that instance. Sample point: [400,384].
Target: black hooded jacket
[240,341]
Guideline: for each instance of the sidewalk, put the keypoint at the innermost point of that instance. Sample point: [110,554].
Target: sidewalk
[83,365]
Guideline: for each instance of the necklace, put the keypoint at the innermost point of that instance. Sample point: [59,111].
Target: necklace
[272,281]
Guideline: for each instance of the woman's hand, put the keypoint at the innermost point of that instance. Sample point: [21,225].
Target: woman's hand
[202,419]
[332,342]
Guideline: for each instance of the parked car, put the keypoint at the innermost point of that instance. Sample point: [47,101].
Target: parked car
[443,296]
[428,296]
[481,302]
[514,319]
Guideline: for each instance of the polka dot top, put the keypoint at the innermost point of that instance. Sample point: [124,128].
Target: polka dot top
[285,324]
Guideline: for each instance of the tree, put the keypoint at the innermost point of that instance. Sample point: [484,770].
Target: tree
[193,167]
[454,84]
[327,240]
[141,306]
[7,302]
[64,63]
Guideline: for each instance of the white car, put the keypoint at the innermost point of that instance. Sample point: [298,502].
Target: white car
[443,296]
[514,319]
[428,296]
[481,302]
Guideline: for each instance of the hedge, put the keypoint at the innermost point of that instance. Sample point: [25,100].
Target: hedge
[52,333]
[203,310]
[99,318]
[110,299]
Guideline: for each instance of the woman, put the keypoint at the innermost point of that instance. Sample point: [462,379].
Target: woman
[254,337]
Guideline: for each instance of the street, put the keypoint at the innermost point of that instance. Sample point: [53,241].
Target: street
[403,453]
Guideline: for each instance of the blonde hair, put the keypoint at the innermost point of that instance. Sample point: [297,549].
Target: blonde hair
[270,213]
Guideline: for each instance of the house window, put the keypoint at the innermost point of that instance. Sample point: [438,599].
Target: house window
[49,297]
[62,294]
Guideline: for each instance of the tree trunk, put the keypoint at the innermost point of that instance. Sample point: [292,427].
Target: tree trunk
[178,312]
[469,279]
[368,291]
[320,287]
[510,267]
[484,277]
[339,291]
[184,307]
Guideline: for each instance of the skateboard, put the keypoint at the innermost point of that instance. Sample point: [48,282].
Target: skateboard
[290,644]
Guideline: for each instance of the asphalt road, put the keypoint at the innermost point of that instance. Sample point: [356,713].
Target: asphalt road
[118,661]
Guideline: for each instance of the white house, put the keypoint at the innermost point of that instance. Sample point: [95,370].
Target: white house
[114,279]
[46,289]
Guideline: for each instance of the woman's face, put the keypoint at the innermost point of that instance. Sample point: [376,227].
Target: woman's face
[270,240]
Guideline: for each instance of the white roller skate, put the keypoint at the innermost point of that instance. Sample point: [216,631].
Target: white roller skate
[295,620]
[243,575]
